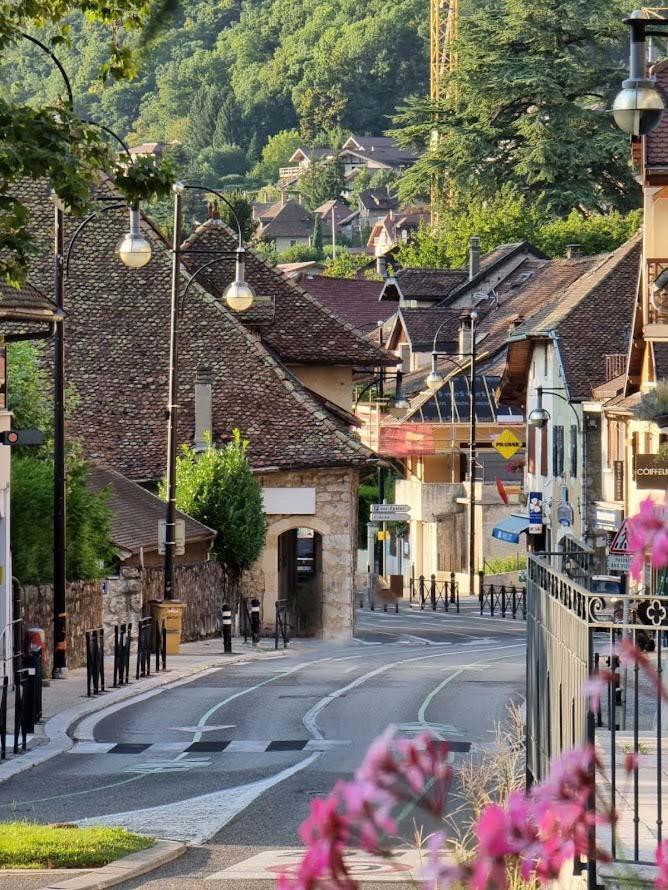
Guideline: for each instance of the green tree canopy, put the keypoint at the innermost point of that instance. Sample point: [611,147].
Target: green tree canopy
[322,182]
[526,104]
[218,488]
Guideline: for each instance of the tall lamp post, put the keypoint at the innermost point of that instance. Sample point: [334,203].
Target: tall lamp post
[239,296]
[434,381]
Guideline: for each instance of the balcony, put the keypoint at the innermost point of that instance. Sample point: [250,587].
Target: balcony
[656,303]
[289,172]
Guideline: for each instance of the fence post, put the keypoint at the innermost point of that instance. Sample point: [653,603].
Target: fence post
[513,593]
[481,581]
[491,600]
[421,583]
[117,653]
[524,603]
[255,620]
[432,592]
[503,600]
[101,633]
[452,587]
[227,628]
[3,718]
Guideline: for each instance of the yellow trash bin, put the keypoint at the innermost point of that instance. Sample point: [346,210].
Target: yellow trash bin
[171,612]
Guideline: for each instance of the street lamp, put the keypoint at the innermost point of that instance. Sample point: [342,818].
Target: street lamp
[239,296]
[539,417]
[133,249]
[639,106]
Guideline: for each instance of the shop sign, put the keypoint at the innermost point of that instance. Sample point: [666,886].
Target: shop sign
[651,471]
[618,478]
[608,519]
[535,512]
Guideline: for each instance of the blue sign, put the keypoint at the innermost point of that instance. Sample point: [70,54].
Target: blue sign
[535,512]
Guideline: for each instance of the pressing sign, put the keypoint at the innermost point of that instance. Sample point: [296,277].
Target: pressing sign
[507,444]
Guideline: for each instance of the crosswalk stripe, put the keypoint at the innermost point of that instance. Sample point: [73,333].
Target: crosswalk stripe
[234,746]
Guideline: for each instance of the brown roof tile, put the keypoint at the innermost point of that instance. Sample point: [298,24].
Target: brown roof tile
[303,331]
[656,143]
[117,362]
[355,300]
[424,284]
[135,512]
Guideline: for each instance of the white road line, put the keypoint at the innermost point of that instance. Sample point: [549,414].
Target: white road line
[347,658]
[310,718]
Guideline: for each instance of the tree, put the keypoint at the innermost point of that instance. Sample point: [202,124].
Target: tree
[202,120]
[323,181]
[320,110]
[345,264]
[595,234]
[526,105]
[224,160]
[316,240]
[243,211]
[49,140]
[276,153]
[229,128]
[218,488]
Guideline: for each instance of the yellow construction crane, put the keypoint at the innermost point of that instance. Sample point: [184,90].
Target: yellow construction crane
[442,32]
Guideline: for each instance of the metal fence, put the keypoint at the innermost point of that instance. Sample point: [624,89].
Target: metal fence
[151,640]
[570,632]
[503,600]
[431,593]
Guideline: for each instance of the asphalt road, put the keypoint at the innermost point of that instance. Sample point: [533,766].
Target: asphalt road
[230,761]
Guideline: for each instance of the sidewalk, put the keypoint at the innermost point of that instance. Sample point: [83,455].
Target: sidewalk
[65,702]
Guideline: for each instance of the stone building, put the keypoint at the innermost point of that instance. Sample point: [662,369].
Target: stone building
[285,380]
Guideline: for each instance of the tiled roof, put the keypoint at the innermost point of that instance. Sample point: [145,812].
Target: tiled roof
[117,362]
[421,326]
[26,303]
[135,512]
[425,284]
[303,331]
[380,148]
[378,200]
[599,324]
[289,221]
[660,360]
[355,300]
[498,257]
[656,143]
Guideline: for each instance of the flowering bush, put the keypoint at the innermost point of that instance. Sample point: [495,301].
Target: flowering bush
[648,537]
[532,834]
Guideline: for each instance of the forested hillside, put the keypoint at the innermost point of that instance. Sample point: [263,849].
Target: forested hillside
[221,77]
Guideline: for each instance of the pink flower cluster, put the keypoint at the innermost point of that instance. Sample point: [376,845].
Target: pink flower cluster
[661,882]
[539,832]
[359,813]
[648,537]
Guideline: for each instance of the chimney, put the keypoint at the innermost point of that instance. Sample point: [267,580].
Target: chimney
[573,251]
[202,405]
[474,256]
[381,266]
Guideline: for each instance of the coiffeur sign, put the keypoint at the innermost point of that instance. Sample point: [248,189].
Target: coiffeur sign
[651,471]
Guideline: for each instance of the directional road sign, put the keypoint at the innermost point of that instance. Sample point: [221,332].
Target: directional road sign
[507,443]
[390,512]
[179,534]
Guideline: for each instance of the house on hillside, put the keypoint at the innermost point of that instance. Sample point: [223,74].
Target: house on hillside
[300,161]
[283,376]
[285,224]
[345,219]
[374,153]
[375,204]
[396,228]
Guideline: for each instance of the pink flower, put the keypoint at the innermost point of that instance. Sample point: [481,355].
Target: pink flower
[594,687]
[630,655]
[631,762]
[661,882]
[643,530]
[439,872]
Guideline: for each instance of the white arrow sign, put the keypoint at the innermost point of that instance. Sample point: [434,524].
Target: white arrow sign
[390,517]
[390,508]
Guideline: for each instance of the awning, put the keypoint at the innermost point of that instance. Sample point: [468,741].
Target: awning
[511,528]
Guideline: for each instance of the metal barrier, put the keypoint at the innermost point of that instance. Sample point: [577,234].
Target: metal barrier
[503,600]
[570,631]
[160,646]
[431,592]
[282,623]
[245,619]
[95,661]
[122,646]
[144,635]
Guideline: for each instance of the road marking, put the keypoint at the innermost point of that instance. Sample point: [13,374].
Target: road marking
[310,720]
[192,729]
[401,866]
[196,819]
[234,746]
[167,766]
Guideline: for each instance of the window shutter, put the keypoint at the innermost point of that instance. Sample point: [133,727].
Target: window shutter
[531,450]
[574,450]
[543,451]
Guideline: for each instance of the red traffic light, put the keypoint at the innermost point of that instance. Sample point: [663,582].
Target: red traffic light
[9,437]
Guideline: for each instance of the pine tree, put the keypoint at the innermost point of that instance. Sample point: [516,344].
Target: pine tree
[229,129]
[316,240]
[526,105]
[202,120]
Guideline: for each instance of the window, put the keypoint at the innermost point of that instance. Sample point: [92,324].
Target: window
[543,451]
[531,449]
[574,450]
[557,451]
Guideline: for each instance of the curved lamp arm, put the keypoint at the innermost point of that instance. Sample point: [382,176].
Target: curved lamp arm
[191,278]
[56,61]
[82,225]
[208,189]
[554,392]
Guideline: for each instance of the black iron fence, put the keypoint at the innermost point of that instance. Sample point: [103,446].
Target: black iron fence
[571,633]
[430,593]
[282,627]
[502,600]
[151,640]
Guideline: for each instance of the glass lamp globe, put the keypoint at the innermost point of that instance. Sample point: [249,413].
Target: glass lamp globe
[638,107]
[133,249]
[434,380]
[239,296]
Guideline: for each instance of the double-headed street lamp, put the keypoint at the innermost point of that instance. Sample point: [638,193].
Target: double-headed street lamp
[639,106]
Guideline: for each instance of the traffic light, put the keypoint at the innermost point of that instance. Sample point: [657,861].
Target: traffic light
[21,437]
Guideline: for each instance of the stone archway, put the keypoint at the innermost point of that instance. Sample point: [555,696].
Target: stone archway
[276,552]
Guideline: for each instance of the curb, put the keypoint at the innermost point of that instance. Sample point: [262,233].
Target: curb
[124,869]
[57,729]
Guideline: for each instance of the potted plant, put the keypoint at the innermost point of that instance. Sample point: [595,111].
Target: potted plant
[653,406]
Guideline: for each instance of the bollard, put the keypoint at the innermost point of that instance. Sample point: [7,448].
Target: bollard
[452,587]
[227,628]
[421,582]
[432,592]
[255,620]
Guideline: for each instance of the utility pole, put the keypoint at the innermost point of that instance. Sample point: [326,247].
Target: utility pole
[59,515]
[333,233]
[472,457]
[381,470]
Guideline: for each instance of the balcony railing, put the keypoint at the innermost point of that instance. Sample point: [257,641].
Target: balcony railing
[289,172]
[615,365]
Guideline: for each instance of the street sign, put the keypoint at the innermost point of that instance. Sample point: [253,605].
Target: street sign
[507,443]
[619,556]
[179,534]
[390,512]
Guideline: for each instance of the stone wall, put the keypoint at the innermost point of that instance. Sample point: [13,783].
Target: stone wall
[122,602]
[83,600]
[335,519]
[203,586]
